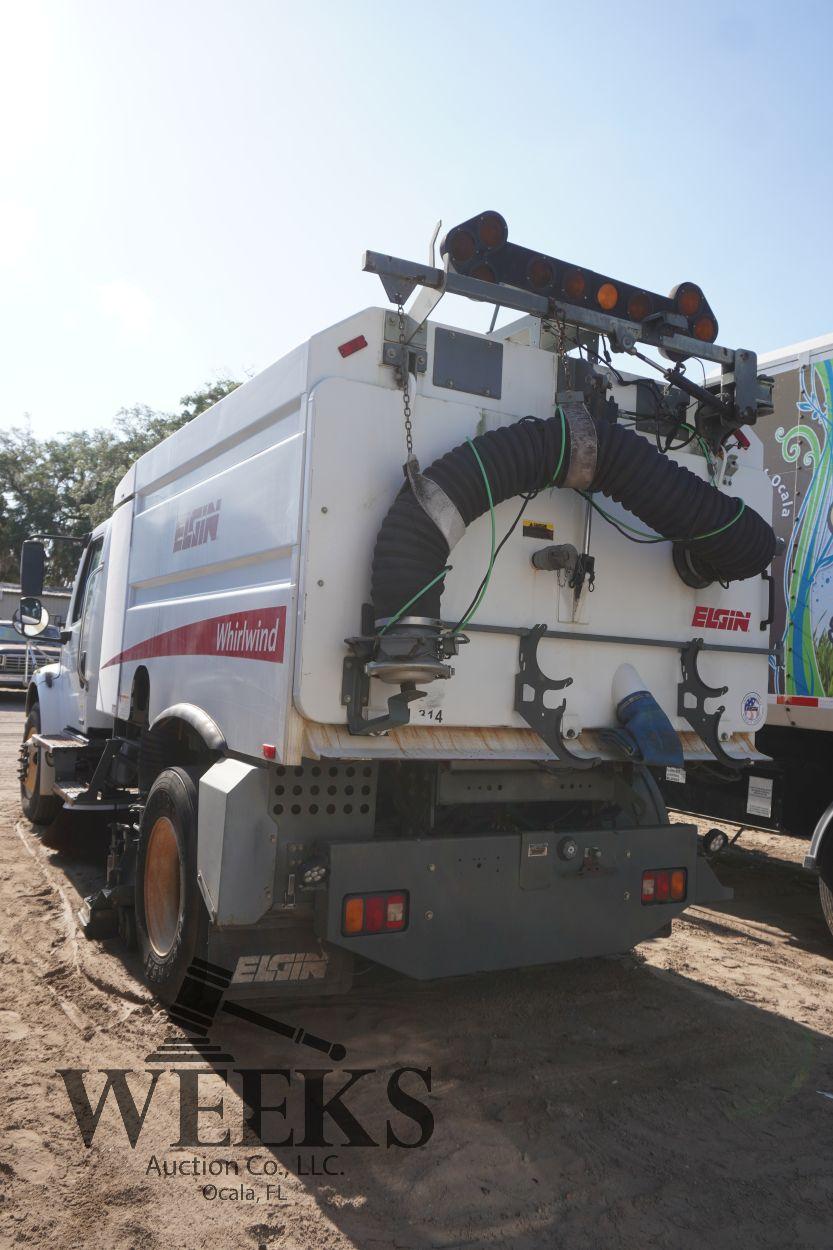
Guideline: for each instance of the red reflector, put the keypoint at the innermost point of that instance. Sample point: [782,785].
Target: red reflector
[743,441]
[663,888]
[395,912]
[374,914]
[269,751]
[353,345]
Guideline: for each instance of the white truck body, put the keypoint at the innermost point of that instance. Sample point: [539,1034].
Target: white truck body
[237,561]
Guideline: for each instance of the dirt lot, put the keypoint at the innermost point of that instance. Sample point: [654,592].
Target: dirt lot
[678,1097]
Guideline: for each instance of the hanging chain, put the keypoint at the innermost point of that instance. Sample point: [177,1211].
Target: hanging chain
[559,326]
[403,381]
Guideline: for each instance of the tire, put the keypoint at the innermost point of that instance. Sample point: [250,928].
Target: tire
[171,920]
[826,899]
[715,841]
[41,809]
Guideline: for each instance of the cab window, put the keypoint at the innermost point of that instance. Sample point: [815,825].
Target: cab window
[92,560]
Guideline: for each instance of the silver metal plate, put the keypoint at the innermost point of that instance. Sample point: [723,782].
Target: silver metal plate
[465,363]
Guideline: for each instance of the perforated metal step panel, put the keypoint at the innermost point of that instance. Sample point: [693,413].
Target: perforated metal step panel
[61,741]
[72,794]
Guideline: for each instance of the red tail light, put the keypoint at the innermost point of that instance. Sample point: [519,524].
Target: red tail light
[374,914]
[664,885]
[362,914]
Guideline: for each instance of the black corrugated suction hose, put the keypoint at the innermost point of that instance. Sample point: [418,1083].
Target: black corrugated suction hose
[521,458]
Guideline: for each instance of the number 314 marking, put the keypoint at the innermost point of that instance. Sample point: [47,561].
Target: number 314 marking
[430,713]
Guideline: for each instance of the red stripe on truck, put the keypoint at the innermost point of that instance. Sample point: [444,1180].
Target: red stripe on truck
[258,634]
[798,700]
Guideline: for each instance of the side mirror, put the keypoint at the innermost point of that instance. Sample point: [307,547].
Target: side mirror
[32,560]
[31,618]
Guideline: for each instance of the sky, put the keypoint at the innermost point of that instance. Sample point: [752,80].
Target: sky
[187,186]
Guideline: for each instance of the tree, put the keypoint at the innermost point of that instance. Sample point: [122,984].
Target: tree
[65,485]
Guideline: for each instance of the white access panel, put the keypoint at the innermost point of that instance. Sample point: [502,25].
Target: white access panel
[210,612]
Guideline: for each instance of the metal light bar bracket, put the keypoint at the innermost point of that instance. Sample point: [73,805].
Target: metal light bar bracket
[746,395]
[626,334]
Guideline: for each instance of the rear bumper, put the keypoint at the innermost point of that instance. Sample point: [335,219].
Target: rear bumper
[498,901]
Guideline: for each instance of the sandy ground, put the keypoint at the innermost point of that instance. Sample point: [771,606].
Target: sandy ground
[678,1097]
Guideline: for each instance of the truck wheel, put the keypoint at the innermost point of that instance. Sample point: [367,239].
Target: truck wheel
[826,897]
[41,809]
[171,921]
[715,841]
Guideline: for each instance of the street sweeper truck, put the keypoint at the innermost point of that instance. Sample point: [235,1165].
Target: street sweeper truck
[375,657]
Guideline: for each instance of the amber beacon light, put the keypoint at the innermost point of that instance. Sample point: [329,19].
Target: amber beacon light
[480,248]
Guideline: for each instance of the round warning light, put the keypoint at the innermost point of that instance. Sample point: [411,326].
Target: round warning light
[705,329]
[540,273]
[492,230]
[607,296]
[462,247]
[485,273]
[574,284]
[688,299]
[639,306]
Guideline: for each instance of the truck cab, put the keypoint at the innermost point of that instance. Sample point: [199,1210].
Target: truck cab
[67,691]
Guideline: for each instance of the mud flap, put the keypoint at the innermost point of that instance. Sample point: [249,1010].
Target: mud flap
[708,889]
[211,994]
[266,962]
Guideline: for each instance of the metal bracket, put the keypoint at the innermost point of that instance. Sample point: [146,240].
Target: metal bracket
[400,277]
[435,503]
[546,721]
[355,694]
[583,442]
[403,356]
[101,783]
[398,287]
[702,722]
[410,356]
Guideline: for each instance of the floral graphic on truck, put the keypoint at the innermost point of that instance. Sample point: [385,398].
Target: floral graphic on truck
[808,565]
